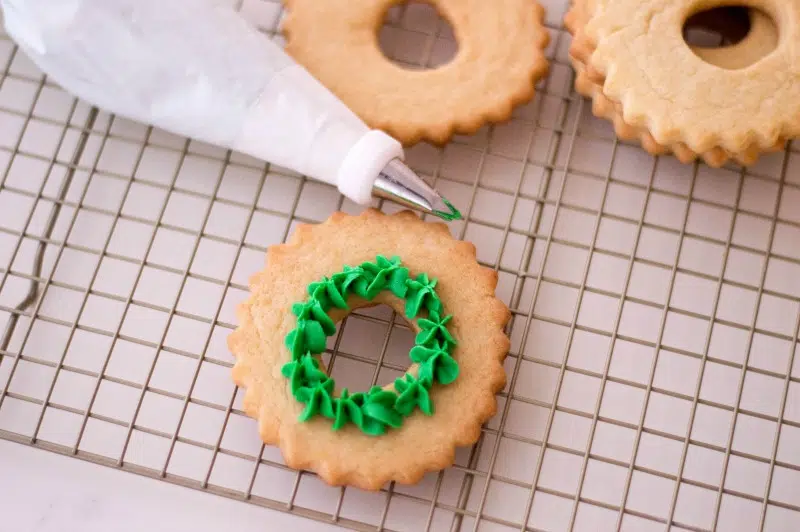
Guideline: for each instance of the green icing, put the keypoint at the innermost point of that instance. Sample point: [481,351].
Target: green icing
[378,410]
[450,216]
[413,393]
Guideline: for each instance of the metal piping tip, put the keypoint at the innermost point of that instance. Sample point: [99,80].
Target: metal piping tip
[400,184]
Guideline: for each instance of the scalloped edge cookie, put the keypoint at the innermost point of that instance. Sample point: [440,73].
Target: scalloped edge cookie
[590,82]
[423,444]
[499,60]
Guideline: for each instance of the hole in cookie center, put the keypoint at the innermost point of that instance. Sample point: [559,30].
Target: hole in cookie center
[416,37]
[718,27]
[731,37]
[360,355]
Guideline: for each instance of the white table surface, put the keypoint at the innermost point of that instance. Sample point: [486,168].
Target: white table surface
[45,492]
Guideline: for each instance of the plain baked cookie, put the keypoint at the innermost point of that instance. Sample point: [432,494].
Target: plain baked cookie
[500,58]
[348,455]
[707,73]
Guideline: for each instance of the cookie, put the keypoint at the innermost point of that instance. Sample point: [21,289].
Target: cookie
[753,50]
[500,58]
[399,431]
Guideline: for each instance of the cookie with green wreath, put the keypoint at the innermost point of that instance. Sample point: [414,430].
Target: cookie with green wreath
[411,426]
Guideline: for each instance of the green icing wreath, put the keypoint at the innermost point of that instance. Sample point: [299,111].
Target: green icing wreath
[377,410]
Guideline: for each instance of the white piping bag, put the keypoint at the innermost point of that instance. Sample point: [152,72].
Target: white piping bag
[196,68]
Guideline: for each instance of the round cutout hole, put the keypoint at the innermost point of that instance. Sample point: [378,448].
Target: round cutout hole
[366,353]
[718,27]
[416,37]
[731,37]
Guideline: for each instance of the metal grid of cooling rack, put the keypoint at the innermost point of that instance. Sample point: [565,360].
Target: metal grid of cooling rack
[656,309]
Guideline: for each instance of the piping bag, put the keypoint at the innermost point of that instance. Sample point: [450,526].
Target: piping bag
[196,68]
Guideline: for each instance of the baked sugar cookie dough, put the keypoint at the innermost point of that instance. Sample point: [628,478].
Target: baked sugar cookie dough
[410,426]
[708,76]
[500,58]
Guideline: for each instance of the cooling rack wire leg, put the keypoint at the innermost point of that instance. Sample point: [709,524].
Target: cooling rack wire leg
[38,260]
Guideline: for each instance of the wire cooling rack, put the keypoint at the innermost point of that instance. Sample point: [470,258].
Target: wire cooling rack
[653,382]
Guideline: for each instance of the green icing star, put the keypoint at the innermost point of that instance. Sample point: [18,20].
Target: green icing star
[386,272]
[303,372]
[348,408]
[421,294]
[413,393]
[328,294]
[308,336]
[317,399]
[312,310]
[436,363]
[354,280]
[379,408]
[434,328]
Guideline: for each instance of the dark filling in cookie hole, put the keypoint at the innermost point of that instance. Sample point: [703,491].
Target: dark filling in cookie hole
[731,37]
[416,37]
[718,27]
